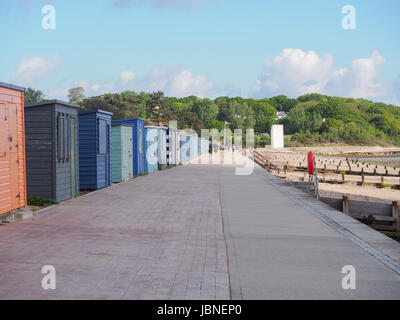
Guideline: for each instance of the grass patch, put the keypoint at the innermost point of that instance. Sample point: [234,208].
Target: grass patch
[392,234]
[41,202]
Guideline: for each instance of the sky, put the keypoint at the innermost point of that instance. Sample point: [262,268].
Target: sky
[208,48]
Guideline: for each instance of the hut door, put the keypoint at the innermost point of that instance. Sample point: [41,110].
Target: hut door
[73,158]
[108,156]
[104,130]
[3,131]
[12,140]
[5,204]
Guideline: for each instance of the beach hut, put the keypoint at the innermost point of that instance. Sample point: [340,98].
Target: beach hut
[173,147]
[12,148]
[52,144]
[203,146]
[184,147]
[194,146]
[151,149]
[137,142]
[162,147]
[121,153]
[94,149]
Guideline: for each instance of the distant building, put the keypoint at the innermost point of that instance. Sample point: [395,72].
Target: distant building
[281,115]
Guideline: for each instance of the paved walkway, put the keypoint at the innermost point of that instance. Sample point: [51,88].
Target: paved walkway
[279,249]
[173,235]
[156,237]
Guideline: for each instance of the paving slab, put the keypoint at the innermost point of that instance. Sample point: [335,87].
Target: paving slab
[155,237]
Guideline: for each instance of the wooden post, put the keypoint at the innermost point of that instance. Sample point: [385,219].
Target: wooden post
[382,181]
[305,175]
[343,177]
[345,204]
[396,216]
[362,179]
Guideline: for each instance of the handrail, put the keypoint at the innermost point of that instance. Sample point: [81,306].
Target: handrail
[315,180]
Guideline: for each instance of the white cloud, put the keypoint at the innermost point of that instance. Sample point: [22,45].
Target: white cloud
[126,76]
[93,89]
[172,80]
[295,72]
[359,81]
[31,70]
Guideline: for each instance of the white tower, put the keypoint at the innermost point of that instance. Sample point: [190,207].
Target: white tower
[277,138]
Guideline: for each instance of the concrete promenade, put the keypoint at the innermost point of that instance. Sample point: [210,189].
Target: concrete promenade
[279,249]
[192,232]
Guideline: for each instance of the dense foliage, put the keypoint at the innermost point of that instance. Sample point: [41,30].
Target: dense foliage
[33,96]
[311,119]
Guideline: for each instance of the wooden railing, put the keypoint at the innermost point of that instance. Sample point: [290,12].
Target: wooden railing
[380,216]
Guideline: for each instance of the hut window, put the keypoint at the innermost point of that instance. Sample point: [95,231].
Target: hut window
[63,138]
[102,137]
[66,139]
[140,141]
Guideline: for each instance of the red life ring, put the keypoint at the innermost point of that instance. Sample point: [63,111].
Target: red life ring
[311,168]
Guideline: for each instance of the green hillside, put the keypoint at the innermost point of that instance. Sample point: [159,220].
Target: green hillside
[311,119]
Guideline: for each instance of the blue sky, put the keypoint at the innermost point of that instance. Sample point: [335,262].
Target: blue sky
[254,48]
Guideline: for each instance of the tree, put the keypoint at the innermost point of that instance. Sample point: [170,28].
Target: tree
[297,120]
[216,124]
[353,121]
[206,109]
[264,115]
[127,104]
[282,103]
[76,95]
[158,108]
[33,96]
[190,120]
[316,121]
